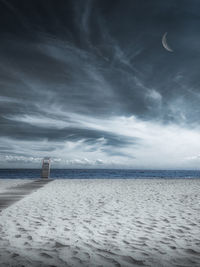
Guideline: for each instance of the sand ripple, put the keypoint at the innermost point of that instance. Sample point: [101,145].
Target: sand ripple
[104,223]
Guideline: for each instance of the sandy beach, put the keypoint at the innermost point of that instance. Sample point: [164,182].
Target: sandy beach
[10,183]
[103,223]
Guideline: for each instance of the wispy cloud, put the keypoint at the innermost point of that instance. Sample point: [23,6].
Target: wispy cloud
[88,89]
[111,142]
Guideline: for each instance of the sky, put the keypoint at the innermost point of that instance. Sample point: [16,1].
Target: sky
[89,84]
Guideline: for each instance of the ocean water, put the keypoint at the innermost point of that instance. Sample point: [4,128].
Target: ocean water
[99,174]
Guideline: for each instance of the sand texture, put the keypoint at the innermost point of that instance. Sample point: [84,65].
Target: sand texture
[18,192]
[10,183]
[104,223]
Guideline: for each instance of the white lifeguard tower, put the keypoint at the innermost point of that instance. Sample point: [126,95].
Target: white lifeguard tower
[45,168]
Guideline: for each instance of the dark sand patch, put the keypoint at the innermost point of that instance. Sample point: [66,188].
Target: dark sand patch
[18,192]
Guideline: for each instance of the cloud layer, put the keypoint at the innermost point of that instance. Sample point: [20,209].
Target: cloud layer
[88,83]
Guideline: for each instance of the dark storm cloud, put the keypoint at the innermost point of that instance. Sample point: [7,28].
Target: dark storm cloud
[100,59]
[84,50]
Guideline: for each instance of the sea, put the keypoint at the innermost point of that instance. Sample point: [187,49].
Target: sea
[100,174]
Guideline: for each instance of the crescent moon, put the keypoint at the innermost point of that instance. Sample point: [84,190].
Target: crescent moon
[165,44]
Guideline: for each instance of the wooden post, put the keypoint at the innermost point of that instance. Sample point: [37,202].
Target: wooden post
[45,168]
